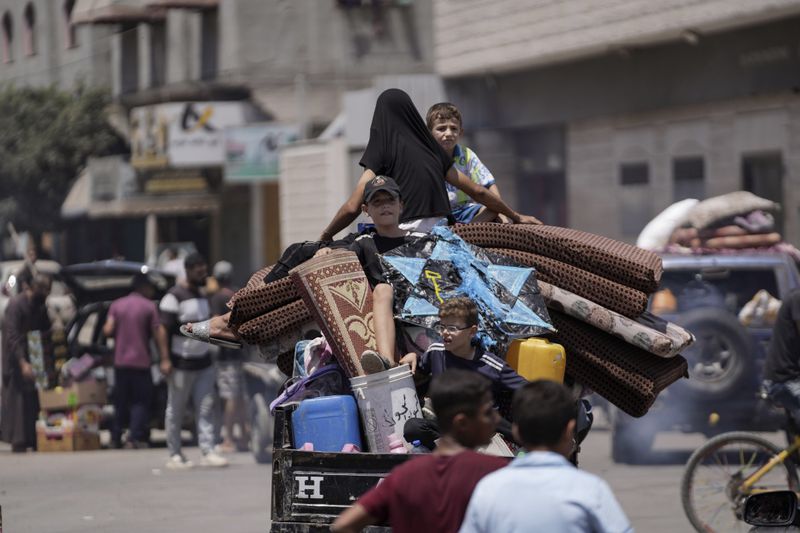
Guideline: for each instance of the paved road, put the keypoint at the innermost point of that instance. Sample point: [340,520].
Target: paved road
[119,491]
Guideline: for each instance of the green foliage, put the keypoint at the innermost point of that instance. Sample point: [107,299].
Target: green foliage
[46,135]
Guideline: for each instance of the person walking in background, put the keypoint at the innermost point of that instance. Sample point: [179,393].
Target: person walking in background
[174,265]
[430,492]
[542,490]
[133,321]
[230,376]
[25,330]
[193,375]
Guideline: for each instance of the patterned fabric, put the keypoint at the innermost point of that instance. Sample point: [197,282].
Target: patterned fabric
[337,293]
[666,344]
[272,325]
[614,260]
[256,279]
[626,376]
[432,269]
[253,301]
[468,163]
[610,294]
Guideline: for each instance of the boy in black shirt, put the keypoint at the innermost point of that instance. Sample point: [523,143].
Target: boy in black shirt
[383,204]
[458,324]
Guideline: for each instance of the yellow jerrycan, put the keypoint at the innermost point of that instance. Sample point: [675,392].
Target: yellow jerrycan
[537,359]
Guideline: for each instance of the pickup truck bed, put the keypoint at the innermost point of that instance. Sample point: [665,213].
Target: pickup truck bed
[310,489]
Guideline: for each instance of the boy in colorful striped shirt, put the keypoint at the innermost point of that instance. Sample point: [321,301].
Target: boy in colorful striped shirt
[444,122]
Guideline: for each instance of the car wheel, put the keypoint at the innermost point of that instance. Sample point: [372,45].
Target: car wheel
[719,360]
[260,429]
[631,438]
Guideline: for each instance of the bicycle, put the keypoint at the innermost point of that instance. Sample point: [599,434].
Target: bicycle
[723,472]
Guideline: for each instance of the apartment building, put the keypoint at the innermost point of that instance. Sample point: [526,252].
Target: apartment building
[599,114]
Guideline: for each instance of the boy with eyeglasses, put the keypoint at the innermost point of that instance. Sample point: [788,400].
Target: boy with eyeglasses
[458,324]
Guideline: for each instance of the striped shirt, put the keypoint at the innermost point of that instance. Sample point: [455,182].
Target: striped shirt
[180,306]
[468,163]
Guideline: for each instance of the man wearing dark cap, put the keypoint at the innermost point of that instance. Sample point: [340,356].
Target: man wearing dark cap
[133,321]
[384,206]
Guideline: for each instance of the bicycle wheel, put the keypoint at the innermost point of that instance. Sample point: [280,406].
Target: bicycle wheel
[711,491]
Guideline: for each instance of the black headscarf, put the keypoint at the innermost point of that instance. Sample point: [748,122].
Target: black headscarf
[400,146]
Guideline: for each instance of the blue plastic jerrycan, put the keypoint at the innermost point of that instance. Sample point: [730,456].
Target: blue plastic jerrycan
[328,423]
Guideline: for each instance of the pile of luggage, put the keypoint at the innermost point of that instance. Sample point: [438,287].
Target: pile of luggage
[731,223]
[596,290]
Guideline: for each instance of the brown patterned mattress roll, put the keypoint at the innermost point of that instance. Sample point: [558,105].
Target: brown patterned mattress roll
[614,260]
[251,302]
[338,296]
[252,283]
[627,376]
[610,294]
[271,325]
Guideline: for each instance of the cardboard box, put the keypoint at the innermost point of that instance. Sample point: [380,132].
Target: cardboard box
[81,393]
[68,441]
[64,437]
[84,418]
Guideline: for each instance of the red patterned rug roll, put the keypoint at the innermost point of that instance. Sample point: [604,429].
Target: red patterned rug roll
[271,325]
[614,260]
[610,294]
[339,298]
[626,376]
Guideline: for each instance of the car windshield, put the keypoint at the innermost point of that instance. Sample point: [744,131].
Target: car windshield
[733,287]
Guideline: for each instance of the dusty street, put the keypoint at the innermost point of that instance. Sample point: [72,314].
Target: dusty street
[119,491]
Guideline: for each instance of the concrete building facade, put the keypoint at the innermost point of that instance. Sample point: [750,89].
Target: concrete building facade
[284,62]
[598,115]
[42,46]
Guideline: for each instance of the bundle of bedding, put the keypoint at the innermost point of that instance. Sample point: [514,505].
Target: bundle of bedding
[597,287]
[733,222]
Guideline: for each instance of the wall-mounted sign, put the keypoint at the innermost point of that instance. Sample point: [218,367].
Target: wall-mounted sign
[251,152]
[187,134]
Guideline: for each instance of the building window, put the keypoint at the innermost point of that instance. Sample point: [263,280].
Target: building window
[30,30]
[636,204]
[762,175]
[688,178]
[8,38]
[70,35]
[540,172]
[129,59]
[158,54]
[209,27]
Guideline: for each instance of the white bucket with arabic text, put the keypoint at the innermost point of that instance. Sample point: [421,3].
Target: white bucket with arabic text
[385,400]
